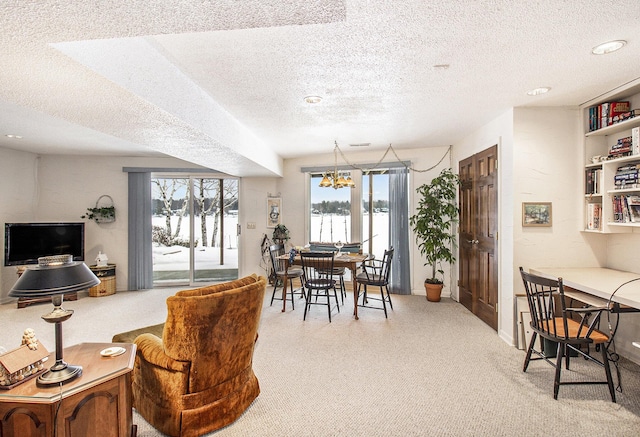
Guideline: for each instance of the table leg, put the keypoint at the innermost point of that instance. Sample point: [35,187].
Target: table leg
[353,269]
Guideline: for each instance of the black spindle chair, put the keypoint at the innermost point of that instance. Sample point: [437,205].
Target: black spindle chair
[280,270]
[317,283]
[551,320]
[375,273]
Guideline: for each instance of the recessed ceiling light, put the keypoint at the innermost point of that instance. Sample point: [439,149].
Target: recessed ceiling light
[538,91]
[313,99]
[18,137]
[608,47]
[441,66]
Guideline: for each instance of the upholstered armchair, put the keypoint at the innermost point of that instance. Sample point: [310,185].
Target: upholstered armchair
[198,377]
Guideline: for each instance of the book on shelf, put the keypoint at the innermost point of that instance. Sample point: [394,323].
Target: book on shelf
[609,113]
[635,140]
[626,208]
[625,116]
[594,181]
[626,176]
[594,216]
[615,110]
[633,204]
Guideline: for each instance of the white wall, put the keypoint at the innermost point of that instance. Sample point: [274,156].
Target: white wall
[61,188]
[253,209]
[18,194]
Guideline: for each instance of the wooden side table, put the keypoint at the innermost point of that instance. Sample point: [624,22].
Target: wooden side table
[98,403]
[107,285]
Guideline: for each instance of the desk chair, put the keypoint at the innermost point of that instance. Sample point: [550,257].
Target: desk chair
[280,270]
[317,282]
[550,319]
[375,273]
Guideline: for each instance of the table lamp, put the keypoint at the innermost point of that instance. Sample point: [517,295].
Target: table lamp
[54,276]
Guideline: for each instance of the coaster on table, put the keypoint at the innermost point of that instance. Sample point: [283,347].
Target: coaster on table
[112,351]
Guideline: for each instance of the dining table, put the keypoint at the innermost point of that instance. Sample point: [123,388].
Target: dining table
[350,261]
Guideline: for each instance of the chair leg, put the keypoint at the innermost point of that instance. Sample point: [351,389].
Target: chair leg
[293,306]
[556,383]
[329,304]
[384,303]
[607,370]
[527,358]
[307,303]
[335,295]
[389,297]
[275,286]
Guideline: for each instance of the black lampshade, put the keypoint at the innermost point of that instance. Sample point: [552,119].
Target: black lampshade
[54,275]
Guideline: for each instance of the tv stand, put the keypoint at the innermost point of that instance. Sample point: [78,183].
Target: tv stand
[26,301]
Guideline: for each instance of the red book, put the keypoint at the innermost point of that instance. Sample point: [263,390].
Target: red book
[616,109]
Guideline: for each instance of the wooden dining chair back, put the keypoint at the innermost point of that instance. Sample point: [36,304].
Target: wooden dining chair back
[574,330]
[320,287]
[281,273]
[375,273]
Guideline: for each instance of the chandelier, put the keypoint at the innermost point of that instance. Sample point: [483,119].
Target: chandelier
[335,179]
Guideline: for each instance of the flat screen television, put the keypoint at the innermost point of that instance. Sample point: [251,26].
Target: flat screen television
[24,243]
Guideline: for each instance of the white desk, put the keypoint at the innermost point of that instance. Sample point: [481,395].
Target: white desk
[597,281]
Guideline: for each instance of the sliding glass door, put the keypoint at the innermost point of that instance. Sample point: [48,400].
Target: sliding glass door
[194,229]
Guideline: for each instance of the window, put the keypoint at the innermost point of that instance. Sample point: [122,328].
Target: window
[333,219]
[375,212]
[330,213]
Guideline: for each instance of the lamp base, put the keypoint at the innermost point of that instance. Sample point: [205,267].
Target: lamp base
[59,376]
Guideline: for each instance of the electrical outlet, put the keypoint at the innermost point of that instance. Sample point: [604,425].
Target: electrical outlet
[251,225]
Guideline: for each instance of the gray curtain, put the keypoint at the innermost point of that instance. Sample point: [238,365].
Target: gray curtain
[140,257]
[399,230]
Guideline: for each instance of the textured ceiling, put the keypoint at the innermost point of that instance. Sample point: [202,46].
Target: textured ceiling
[221,83]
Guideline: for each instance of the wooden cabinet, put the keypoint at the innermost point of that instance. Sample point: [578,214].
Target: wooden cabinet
[599,174]
[107,276]
[97,404]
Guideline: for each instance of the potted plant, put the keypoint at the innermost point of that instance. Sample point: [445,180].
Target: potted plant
[103,214]
[433,222]
[280,234]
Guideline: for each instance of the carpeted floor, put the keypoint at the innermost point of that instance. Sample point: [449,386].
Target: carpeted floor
[430,369]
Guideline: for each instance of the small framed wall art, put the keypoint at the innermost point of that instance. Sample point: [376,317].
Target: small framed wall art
[536,214]
[274,211]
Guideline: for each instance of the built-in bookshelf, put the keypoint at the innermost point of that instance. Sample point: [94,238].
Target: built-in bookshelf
[612,162]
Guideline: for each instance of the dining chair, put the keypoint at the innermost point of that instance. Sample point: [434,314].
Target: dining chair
[281,272]
[338,272]
[375,273]
[317,283]
[552,321]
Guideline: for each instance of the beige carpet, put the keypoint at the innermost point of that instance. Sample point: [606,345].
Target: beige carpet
[431,369]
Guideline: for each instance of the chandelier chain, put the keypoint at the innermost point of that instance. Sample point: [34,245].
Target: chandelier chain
[380,161]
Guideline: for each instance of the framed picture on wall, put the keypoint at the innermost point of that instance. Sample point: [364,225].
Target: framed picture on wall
[536,214]
[274,211]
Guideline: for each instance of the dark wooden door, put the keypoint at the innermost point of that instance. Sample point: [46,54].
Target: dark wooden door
[478,264]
